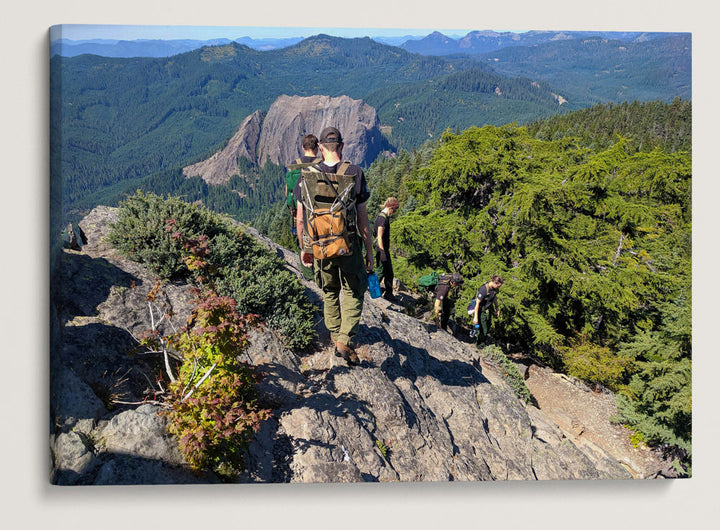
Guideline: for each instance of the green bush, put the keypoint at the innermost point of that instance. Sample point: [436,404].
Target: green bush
[279,297]
[181,241]
[141,232]
[595,364]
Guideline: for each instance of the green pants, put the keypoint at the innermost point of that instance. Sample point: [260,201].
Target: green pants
[484,326]
[346,274]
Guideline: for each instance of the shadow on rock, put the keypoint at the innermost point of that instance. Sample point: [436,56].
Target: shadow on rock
[81,283]
[413,362]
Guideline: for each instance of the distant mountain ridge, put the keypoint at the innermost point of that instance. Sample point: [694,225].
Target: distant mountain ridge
[156,47]
[434,44]
[477,42]
[619,69]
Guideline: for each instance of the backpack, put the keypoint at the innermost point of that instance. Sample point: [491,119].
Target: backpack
[291,178]
[330,215]
[429,281]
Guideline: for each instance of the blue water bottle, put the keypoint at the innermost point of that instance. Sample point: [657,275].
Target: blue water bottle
[373,285]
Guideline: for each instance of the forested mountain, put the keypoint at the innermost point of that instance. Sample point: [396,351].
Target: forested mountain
[646,125]
[416,112]
[122,124]
[598,70]
[117,124]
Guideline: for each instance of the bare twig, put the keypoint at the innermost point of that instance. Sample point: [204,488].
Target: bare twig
[165,353]
[192,376]
[619,249]
[207,374]
[167,364]
[150,401]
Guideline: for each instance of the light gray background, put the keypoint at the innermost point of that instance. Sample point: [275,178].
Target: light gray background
[27,499]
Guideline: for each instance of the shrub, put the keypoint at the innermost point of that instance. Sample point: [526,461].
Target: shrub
[214,409]
[140,232]
[279,297]
[594,364]
[181,241]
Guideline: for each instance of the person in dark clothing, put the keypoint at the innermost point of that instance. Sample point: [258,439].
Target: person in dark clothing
[381,235]
[445,294]
[485,300]
[310,156]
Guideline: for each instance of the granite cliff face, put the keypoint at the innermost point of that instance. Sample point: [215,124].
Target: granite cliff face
[224,164]
[422,406]
[277,135]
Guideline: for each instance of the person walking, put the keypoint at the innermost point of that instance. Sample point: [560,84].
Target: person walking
[309,157]
[485,300]
[381,235]
[347,272]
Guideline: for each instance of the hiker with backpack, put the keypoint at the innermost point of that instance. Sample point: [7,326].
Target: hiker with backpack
[381,235]
[445,295]
[479,308]
[309,157]
[332,228]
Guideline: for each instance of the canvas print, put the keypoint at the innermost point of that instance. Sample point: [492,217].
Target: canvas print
[322,255]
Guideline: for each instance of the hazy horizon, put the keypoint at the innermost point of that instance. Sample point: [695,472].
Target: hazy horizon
[84,32]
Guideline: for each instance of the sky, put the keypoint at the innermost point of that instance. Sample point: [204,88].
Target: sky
[134,32]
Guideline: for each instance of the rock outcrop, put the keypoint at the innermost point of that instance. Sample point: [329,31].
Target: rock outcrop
[292,117]
[422,406]
[277,136]
[224,164]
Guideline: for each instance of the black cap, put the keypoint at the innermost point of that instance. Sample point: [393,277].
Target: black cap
[330,135]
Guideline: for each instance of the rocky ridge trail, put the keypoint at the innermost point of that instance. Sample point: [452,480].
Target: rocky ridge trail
[422,406]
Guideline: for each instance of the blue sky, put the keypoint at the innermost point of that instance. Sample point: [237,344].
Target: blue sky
[122,32]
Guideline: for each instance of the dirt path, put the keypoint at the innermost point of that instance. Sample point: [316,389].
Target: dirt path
[584,416]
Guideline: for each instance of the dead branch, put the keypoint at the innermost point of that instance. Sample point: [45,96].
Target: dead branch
[207,374]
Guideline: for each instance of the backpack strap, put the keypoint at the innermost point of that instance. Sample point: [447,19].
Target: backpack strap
[299,164]
[343,168]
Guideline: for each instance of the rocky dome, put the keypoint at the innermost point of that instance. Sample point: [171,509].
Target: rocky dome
[277,135]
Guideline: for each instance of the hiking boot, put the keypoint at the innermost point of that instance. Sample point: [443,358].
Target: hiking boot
[347,353]
[389,297]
